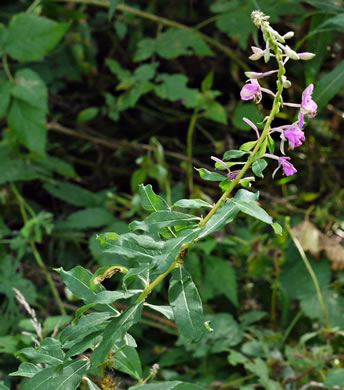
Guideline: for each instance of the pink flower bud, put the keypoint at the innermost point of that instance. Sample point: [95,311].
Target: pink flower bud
[291,53]
[306,56]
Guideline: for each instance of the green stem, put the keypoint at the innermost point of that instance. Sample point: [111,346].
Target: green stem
[191,130]
[6,67]
[37,256]
[33,6]
[291,326]
[167,22]
[313,276]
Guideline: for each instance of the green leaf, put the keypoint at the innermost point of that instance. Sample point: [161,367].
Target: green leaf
[18,170]
[31,89]
[112,8]
[211,176]
[246,196]
[220,219]
[230,154]
[150,201]
[253,210]
[248,145]
[28,125]
[174,87]
[27,370]
[50,352]
[82,343]
[258,167]
[141,248]
[335,377]
[87,114]
[277,228]
[171,44]
[207,83]
[165,310]
[73,194]
[91,385]
[219,279]
[172,248]
[162,219]
[107,272]
[186,305]
[128,361]
[175,385]
[109,297]
[86,219]
[216,112]
[31,37]
[5,93]
[66,379]
[191,204]
[115,332]
[329,85]
[249,111]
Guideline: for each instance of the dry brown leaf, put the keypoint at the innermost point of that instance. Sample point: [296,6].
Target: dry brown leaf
[314,241]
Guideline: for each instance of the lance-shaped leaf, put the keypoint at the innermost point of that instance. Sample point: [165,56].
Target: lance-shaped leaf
[172,248]
[91,385]
[230,154]
[141,248]
[115,332]
[211,176]
[192,204]
[50,352]
[253,210]
[221,218]
[27,370]
[186,305]
[127,360]
[163,219]
[68,378]
[150,200]
[87,342]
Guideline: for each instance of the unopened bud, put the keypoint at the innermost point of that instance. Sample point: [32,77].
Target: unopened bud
[286,83]
[256,56]
[267,55]
[254,75]
[288,35]
[291,53]
[306,56]
[257,50]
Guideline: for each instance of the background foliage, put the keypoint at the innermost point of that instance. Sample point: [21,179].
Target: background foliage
[99,97]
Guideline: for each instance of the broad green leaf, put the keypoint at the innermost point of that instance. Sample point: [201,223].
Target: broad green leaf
[211,176]
[112,8]
[91,385]
[87,114]
[27,370]
[216,112]
[329,85]
[219,279]
[246,196]
[186,305]
[150,201]
[175,385]
[251,317]
[165,310]
[174,87]
[28,125]
[83,342]
[159,220]
[249,111]
[73,194]
[115,332]
[109,297]
[107,272]
[68,378]
[171,44]
[5,93]
[19,170]
[220,219]
[172,248]
[86,219]
[31,89]
[141,248]
[253,210]
[232,154]
[335,377]
[31,37]
[191,204]
[128,361]
[258,167]
[55,164]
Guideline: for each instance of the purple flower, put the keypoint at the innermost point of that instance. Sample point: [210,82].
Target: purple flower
[252,90]
[308,105]
[294,135]
[287,167]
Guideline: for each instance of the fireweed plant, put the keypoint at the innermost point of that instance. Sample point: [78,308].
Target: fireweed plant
[156,248]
